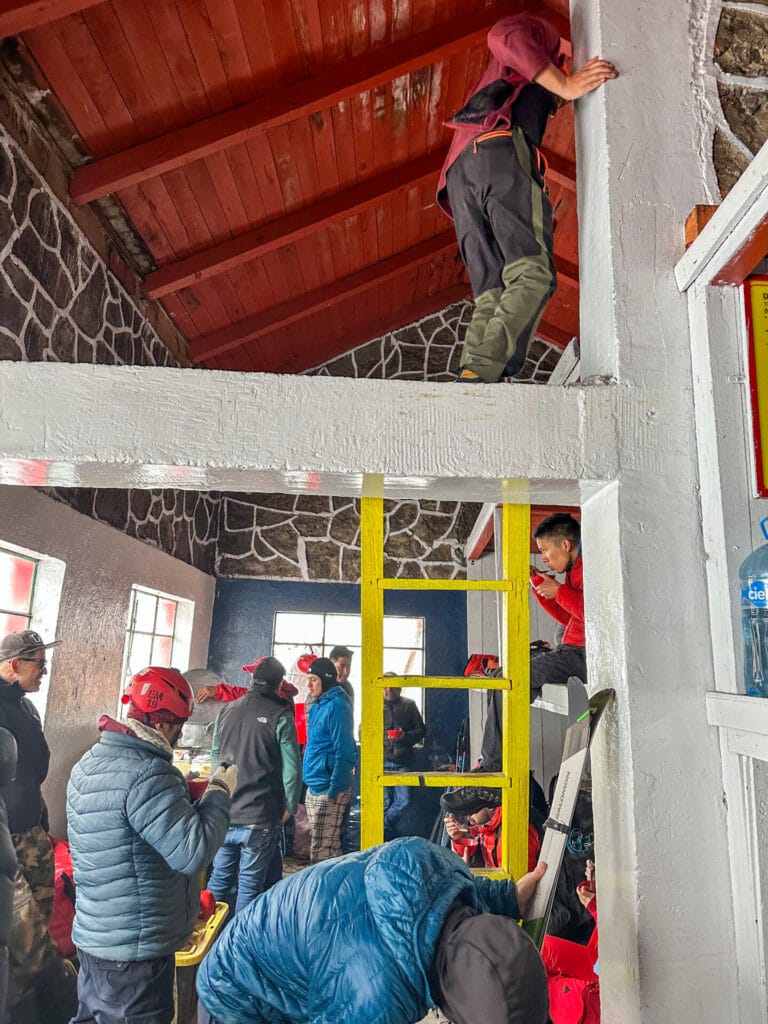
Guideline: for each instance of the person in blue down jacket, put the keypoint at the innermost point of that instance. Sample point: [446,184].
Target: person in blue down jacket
[329,758]
[379,937]
[138,847]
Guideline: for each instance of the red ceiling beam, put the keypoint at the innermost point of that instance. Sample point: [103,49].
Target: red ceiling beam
[217,259]
[322,353]
[18,16]
[745,261]
[378,67]
[272,319]
[567,272]
[553,334]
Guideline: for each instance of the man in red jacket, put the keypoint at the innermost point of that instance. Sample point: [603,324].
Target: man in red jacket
[558,538]
[492,185]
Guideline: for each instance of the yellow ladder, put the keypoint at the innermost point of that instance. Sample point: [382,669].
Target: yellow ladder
[515,660]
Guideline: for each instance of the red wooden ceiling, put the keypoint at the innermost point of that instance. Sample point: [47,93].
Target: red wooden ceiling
[279,159]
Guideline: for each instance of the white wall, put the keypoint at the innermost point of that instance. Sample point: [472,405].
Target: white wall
[102,565]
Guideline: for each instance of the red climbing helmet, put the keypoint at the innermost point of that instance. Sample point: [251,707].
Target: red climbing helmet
[155,690]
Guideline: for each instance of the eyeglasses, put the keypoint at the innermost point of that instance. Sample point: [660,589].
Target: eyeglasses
[35,661]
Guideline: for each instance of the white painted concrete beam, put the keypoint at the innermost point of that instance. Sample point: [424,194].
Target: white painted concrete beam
[86,425]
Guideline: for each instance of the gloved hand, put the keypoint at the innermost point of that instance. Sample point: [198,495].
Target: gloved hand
[225,777]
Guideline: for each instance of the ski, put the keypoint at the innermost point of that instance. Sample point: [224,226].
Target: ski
[558,826]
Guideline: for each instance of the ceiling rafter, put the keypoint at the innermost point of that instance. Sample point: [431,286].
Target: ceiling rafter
[17,16]
[224,256]
[272,319]
[195,141]
[369,331]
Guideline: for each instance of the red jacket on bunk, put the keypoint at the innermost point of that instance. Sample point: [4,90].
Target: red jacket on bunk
[487,839]
[567,607]
[574,988]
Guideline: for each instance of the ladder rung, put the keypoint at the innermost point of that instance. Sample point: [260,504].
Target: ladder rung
[484,780]
[421,584]
[446,682]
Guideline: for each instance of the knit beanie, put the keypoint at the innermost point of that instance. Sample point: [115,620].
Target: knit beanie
[325,671]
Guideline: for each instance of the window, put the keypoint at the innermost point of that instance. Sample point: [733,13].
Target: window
[159,631]
[295,633]
[18,574]
[30,594]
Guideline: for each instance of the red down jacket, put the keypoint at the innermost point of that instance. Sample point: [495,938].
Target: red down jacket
[63,915]
[574,988]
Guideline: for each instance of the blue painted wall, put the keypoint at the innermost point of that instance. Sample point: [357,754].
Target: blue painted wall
[243,614]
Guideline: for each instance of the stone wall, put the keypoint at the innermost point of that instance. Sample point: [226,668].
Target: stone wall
[184,524]
[58,300]
[308,537]
[428,350]
[740,70]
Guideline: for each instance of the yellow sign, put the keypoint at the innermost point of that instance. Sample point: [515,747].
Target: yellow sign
[756,293]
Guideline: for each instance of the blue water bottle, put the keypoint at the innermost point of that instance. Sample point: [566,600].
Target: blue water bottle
[753,586]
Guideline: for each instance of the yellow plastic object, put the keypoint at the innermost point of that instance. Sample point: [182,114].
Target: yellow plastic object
[513,779]
[202,938]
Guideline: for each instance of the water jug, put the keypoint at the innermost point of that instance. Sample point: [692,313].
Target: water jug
[753,587]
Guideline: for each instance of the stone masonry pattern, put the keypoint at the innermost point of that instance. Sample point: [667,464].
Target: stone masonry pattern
[428,350]
[58,301]
[308,537]
[184,524]
[740,67]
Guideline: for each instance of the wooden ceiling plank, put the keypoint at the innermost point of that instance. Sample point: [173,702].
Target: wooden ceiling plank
[745,261]
[331,295]
[17,16]
[284,230]
[552,334]
[567,272]
[391,321]
[198,140]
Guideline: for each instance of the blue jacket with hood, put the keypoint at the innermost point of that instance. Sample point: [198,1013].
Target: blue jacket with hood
[138,847]
[330,755]
[348,941]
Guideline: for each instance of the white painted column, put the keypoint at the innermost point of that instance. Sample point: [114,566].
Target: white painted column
[666,915]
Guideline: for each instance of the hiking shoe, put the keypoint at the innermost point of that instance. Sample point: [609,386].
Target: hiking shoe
[470,799]
[465,376]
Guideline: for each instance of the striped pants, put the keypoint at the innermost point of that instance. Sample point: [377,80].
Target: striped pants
[326,817]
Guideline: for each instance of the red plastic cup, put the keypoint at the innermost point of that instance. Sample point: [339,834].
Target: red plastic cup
[207,905]
[197,787]
[394,734]
[536,580]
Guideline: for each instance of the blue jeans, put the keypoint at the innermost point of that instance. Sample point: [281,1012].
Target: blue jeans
[395,797]
[247,860]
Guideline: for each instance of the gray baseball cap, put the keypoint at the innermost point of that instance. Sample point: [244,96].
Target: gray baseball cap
[14,645]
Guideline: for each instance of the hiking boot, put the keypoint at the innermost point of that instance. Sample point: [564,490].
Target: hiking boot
[470,799]
[465,376]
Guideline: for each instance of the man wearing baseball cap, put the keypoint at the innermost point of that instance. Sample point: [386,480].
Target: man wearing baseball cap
[258,734]
[34,963]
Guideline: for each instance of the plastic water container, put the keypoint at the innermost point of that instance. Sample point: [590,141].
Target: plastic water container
[753,588]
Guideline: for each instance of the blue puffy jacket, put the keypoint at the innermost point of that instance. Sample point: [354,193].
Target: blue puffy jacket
[348,941]
[329,755]
[138,846]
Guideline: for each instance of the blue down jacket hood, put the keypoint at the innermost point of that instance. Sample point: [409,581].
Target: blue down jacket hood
[348,941]
[138,845]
